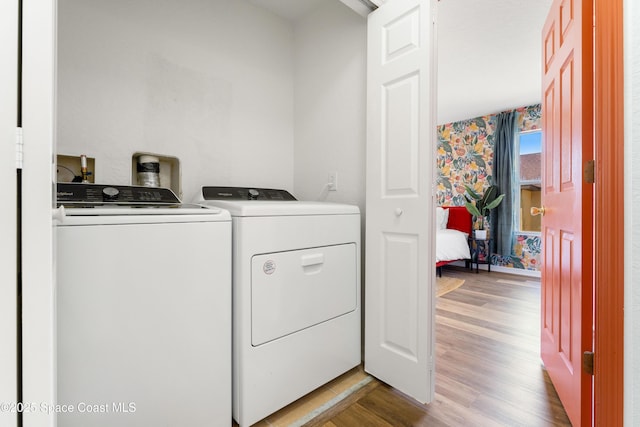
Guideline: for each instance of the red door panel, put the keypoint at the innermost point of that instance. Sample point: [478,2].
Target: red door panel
[567,329]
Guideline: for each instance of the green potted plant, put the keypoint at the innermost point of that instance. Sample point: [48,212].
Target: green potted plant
[480,206]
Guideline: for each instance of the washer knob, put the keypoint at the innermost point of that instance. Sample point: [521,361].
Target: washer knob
[110,194]
[253,194]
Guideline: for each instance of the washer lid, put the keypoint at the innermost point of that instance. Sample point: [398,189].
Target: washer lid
[247,208]
[183,209]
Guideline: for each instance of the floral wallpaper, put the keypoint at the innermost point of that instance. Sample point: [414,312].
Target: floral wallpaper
[525,255]
[465,156]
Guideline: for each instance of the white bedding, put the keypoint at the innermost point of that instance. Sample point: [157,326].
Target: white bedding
[451,245]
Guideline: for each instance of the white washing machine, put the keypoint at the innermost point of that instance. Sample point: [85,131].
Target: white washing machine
[296,295]
[143,309]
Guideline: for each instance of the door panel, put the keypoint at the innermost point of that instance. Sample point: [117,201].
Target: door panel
[400,333]
[8,213]
[399,297]
[400,141]
[568,142]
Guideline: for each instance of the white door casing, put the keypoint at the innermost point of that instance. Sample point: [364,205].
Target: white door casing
[400,271]
[38,119]
[8,213]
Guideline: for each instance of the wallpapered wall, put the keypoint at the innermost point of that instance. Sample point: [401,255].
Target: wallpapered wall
[465,156]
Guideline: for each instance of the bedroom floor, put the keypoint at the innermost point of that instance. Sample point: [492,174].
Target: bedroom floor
[488,369]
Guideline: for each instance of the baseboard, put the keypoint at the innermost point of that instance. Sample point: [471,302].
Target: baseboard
[500,269]
[514,271]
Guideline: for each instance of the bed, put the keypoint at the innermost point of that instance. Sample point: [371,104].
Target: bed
[453,225]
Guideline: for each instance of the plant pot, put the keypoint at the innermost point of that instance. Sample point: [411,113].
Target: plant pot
[481,234]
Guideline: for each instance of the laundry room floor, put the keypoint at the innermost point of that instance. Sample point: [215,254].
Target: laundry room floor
[305,408]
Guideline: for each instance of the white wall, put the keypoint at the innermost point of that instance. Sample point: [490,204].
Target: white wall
[330,103]
[210,82]
[632,213]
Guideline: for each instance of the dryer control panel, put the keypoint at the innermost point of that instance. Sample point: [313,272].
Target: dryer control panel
[245,193]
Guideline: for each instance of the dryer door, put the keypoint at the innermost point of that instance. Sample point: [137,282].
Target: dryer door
[294,290]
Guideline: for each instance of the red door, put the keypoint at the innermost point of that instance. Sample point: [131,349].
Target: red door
[567,295]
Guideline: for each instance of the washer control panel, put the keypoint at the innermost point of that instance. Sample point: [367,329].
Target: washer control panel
[74,194]
[245,193]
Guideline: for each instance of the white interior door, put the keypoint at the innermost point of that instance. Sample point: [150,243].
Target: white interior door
[8,213]
[400,266]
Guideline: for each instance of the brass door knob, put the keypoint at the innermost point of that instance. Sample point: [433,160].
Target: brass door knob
[537,211]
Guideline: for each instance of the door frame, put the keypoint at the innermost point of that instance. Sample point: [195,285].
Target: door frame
[609,214]
[9,17]
[38,199]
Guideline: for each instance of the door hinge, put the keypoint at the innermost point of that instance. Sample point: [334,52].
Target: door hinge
[590,172]
[587,362]
[19,149]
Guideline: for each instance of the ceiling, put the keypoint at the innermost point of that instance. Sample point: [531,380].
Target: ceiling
[489,52]
[288,9]
[489,56]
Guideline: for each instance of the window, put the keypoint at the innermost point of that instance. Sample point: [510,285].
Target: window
[529,179]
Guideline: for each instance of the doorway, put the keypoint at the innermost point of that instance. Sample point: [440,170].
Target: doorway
[466,71]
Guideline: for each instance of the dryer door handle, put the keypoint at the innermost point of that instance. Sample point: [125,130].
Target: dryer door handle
[312,259]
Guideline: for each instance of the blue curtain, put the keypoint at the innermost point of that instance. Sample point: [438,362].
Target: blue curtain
[502,216]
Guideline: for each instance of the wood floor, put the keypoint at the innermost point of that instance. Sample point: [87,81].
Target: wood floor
[488,370]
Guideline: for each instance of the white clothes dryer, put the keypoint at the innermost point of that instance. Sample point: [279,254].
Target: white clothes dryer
[296,295]
[143,309]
